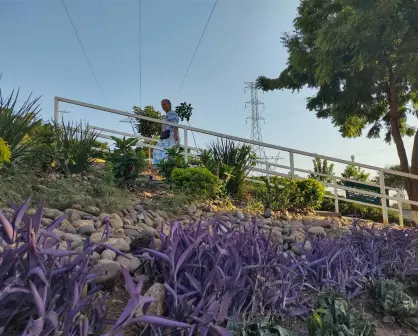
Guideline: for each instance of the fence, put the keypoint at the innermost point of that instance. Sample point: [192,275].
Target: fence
[269,166]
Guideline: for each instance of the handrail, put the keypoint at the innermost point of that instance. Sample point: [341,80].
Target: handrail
[383,196]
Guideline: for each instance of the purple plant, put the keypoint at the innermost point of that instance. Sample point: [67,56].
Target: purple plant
[45,289]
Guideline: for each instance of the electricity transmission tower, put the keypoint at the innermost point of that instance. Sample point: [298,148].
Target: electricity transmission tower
[255,119]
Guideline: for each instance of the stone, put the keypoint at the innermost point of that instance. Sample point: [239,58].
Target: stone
[71,237]
[327,224]
[267,214]
[82,222]
[239,215]
[92,210]
[192,209]
[87,229]
[158,222]
[46,221]
[102,216]
[131,233]
[116,221]
[148,221]
[108,255]
[127,221]
[162,214]
[142,241]
[118,233]
[276,223]
[108,273]
[317,231]
[119,244]
[295,237]
[131,264]
[52,213]
[97,237]
[68,227]
[158,292]
[95,256]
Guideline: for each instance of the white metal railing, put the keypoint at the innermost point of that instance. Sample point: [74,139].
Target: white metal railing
[268,171]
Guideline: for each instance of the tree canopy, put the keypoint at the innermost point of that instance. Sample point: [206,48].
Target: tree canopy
[322,167]
[147,128]
[353,172]
[362,56]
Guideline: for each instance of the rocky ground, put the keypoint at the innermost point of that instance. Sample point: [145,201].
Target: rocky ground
[133,227]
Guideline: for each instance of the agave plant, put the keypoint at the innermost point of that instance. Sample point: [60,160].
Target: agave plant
[16,123]
[392,300]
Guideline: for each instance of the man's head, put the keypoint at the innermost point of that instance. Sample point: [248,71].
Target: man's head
[166,105]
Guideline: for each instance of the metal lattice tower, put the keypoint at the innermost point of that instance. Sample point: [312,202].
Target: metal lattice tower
[255,119]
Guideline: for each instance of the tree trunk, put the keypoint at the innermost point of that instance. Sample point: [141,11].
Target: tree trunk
[410,184]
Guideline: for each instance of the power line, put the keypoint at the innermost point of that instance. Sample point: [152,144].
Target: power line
[197,47]
[83,49]
[140,50]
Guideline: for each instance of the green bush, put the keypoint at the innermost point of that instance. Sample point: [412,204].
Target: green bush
[359,211]
[230,162]
[334,316]
[5,153]
[174,160]
[127,161]
[285,194]
[199,182]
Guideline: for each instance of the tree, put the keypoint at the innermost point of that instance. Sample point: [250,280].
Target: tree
[353,172]
[146,128]
[393,181]
[362,57]
[322,167]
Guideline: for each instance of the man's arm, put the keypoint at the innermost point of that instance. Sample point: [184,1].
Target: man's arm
[176,133]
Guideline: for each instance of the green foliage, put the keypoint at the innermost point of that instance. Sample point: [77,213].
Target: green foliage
[5,153]
[392,300]
[127,161]
[359,211]
[199,182]
[46,150]
[263,326]
[322,167]
[334,316]
[394,181]
[284,194]
[16,123]
[146,128]
[174,160]
[184,111]
[230,162]
[353,172]
[75,148]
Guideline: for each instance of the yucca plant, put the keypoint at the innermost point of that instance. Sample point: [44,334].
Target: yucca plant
[230,161]
[334,316]
[17,122]
[75,148]
[392,300]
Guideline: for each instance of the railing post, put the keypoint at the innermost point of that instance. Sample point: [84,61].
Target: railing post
[400,208]
[186,147]
[383,199]
[337,206]
[268,172]
[292,165]
[56,106]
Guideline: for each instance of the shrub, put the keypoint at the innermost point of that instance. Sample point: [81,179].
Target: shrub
[75,148]
[127,161]
[174,160]
[199,182]
[5,153]
[230,162]
[147,128]
[359,211]
[334,316]
[16,123]
[284,194]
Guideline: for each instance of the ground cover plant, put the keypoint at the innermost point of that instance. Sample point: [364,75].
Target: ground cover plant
[211,279]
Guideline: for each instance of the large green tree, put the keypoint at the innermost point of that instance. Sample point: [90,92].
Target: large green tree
[362,57]
[147,128]
[322,167]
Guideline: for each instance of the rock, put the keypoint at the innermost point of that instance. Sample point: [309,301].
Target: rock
[116,221]
[74,214]
[95,256]
[87,229]
[72,237]
[158,222]
[148,229]
[207,208]
[317,231]
[82,222]
[52,213]
[239,215]
[327,224]
[46,221]
[131,233]
[148,222]
[102,216]
[97,237]
[131,264]
[109,273]
[119,244]
[118,234]
[108,255]
[143,240]
[93,210]
[67,227]
[162,214]
[267,213]
[295,237]
[192,209]
[158,292]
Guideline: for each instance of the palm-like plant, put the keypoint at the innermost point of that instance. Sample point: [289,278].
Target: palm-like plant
[16,123]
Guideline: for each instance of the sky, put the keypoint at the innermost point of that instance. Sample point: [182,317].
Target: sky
[41,55]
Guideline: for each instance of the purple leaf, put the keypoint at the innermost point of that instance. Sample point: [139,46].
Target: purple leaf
[220,331]
[40,306]
[196,284]
[158,254]
[8,228]
[159,321]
